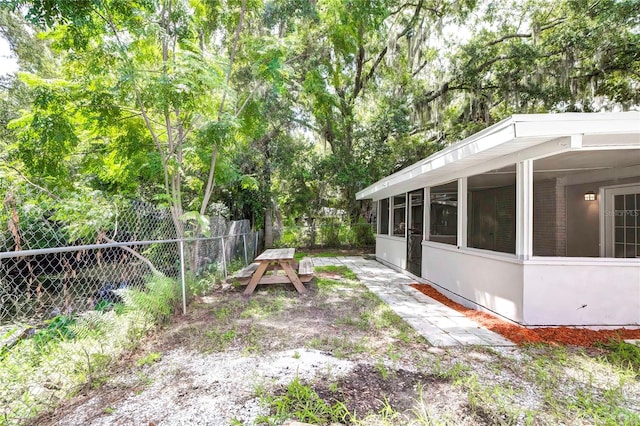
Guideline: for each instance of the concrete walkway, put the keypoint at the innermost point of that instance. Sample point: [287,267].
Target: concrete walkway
[439,324]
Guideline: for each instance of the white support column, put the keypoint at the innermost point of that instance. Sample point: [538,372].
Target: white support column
[524,209]
[390,216]
[426,217]
[406,216]
[462,212]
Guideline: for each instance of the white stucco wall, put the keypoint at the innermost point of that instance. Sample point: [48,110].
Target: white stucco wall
[493,281]
[544,291]
[392,250]
[600,292]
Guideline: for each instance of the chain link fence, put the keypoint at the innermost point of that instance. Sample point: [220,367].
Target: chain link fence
[51,267]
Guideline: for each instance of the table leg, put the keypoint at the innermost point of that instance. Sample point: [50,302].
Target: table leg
[255,278]
[295,280]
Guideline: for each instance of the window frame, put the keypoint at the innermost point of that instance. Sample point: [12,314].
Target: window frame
[401,225]
[381,217]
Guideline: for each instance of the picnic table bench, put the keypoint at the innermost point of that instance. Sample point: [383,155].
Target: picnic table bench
[274,261]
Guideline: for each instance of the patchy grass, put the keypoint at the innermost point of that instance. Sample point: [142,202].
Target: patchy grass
[309,252]
[302,254]
[622,354]
[265,307]
[149,359]
[341,271]
[394,376]
[299,401]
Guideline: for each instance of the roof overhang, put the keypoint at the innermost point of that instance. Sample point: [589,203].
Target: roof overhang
[517,138]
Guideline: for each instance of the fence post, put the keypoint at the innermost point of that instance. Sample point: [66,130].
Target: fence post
[244,245]
[182,276]
[224,257]
[255,245]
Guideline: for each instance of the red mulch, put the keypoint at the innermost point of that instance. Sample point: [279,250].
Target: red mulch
[521,335]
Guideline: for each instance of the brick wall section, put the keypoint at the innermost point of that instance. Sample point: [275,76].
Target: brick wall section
[545,211]
[561,219]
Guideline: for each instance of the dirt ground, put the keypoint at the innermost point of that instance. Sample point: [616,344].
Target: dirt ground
[229,356]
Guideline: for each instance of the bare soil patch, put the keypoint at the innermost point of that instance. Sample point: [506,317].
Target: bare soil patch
[366,389]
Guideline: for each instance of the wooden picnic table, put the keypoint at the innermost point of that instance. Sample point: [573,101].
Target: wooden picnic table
[274,259]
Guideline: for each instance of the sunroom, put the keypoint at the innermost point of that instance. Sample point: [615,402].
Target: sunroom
[535,219]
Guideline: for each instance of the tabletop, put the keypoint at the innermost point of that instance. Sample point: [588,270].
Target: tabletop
[277,254]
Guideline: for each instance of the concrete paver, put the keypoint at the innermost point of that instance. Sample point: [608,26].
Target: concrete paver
[440,325]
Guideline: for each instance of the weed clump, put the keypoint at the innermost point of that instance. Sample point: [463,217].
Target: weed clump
[299,401]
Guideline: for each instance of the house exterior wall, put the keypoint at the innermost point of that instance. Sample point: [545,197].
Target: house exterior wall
[583,225]
[545,292]
[392,250]
[588,292]
[491,281]
[538,291]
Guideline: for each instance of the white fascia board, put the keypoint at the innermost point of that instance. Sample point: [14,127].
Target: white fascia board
[488,138]
[612,141]
[577,116]
[576,123]
[558,132]
[536,151]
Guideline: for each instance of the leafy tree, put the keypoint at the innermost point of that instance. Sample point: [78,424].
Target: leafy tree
[350,68]
[303,103]
[534,56]
[139,90]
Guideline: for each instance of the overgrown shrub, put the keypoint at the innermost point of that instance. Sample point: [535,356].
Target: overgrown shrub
[363,234]
[158,302]
[291,237]
[330,232]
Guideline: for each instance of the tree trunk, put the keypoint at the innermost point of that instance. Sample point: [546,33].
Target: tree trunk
[268,226]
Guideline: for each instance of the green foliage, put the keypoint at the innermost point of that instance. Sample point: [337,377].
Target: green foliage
[315,100]
[291,237]
[58,329]
[105,305]
[149,359]
[562,60]
[46,136]
[603,409]
[204,282]
[157,301]
[302,403]
[84,214]
[200,224]
[622,354]
[363,234]
[330,232]
[338,270]
[73,352]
